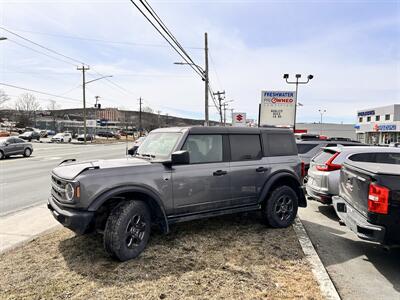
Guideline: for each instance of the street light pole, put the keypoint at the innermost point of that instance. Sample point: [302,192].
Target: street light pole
[322,113]
[297,82]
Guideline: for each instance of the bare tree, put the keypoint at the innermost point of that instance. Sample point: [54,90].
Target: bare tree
[3,98]
[52,107]
[147,109]
[26,107]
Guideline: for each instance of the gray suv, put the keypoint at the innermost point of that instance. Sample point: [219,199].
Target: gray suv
[14,146]
[180,174]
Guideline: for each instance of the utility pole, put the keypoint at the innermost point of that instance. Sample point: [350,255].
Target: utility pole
[83,69]
[219,94]
[140,116]
[225,108]
[206,84]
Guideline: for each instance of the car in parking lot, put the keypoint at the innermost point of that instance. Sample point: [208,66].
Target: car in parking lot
[14,146]
[89,137]
[30,135]
[108,134]
[180,174]
[309,147]
[4,133]
[369,198]
[324,171]
[62,137]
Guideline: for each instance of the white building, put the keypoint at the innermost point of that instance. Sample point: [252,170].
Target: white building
[379,125]
[329,130]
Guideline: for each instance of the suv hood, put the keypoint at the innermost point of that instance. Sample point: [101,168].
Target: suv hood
[70,170]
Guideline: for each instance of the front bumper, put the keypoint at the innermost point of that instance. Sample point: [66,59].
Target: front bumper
[357,222]
[76,220]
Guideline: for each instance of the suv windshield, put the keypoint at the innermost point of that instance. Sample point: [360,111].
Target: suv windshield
[158,145]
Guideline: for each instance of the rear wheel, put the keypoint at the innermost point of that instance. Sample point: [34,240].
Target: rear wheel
[27,152]
[1,155]
[127,230]
[280,209]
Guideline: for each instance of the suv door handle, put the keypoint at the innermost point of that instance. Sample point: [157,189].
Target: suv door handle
[220,173]
[261,169]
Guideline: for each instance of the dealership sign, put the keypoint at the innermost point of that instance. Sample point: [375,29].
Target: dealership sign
[277,108]
[366,113]
[387,127]
[239,119]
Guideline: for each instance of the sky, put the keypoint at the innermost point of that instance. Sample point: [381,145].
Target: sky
[351,47]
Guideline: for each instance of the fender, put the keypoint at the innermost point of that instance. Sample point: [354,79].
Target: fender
[130,189]
[277,176]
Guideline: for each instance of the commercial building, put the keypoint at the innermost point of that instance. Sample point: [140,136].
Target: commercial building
[380,125]
[329,130]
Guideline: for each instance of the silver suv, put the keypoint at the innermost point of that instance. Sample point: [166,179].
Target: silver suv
[180,174]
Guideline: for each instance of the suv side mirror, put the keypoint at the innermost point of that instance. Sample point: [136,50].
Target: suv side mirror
[180,157]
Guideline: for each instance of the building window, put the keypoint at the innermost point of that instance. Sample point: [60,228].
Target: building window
[369,119]
[377,118]
[360,119]
[387,117]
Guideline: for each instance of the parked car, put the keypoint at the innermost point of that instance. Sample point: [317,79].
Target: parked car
[180,174]
[136,145]
[324,171]
[108,134]
[30,135]
[89,137]
[369,196]
[14,146]
[62,137]
[50,132]
[308,148]
[43,133]
[394,145]
[4,133]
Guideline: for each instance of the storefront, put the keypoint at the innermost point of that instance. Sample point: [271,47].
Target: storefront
[379,125]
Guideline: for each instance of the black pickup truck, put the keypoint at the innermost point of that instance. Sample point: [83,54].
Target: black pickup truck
[369,199]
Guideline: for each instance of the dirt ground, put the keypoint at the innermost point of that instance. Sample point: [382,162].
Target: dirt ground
[231,257]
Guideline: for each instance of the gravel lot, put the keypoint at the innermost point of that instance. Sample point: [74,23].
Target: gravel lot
[231,257]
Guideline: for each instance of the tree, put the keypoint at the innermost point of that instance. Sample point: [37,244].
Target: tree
[147,109]
[3,98]
[26,107]
[52,107]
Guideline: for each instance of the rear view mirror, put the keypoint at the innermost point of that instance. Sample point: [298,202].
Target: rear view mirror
[180,157]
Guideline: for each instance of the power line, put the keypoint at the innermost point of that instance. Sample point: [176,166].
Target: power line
[101,40]
[39,92]
[168,41]
[39,45]
[40,52]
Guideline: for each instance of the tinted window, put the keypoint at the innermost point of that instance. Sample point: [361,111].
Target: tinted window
[19,140]
[381,158]
[304,148]
[279,144]
[323,157]
[204,148]
[245,147]
[387,117]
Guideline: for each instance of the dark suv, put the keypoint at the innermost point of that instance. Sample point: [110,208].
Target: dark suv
[180,174]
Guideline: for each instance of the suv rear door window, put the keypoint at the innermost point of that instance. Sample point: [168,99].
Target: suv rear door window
[279,144]
[245,147]
[323,156]
[204,148]
[303,148]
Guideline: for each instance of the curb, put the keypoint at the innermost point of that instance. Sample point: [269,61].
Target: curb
[326,285]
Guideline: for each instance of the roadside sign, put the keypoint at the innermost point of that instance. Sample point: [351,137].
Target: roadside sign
[277,108]
[238,119]
[91,123]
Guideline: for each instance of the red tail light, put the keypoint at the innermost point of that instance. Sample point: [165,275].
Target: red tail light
[329,165]
[378,199]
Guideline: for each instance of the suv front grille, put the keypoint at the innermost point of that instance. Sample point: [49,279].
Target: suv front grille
[58,188]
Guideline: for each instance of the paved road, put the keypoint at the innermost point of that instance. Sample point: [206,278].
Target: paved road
[359,269]
[25,182]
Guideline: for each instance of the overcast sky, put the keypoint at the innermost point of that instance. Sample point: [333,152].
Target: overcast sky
[351,47]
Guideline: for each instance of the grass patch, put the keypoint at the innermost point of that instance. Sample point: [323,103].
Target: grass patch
[230,257]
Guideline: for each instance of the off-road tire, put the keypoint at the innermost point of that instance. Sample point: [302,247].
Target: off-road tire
[117,232]
[27,152]
[280,209]
[2,155]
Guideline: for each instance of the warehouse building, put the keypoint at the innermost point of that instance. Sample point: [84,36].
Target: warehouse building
[380,125]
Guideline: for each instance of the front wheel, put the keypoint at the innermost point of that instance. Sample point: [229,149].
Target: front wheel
[280,209]
[127,230]
[1,155]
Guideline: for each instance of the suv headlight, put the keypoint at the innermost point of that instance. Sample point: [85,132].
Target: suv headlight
[69,191]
